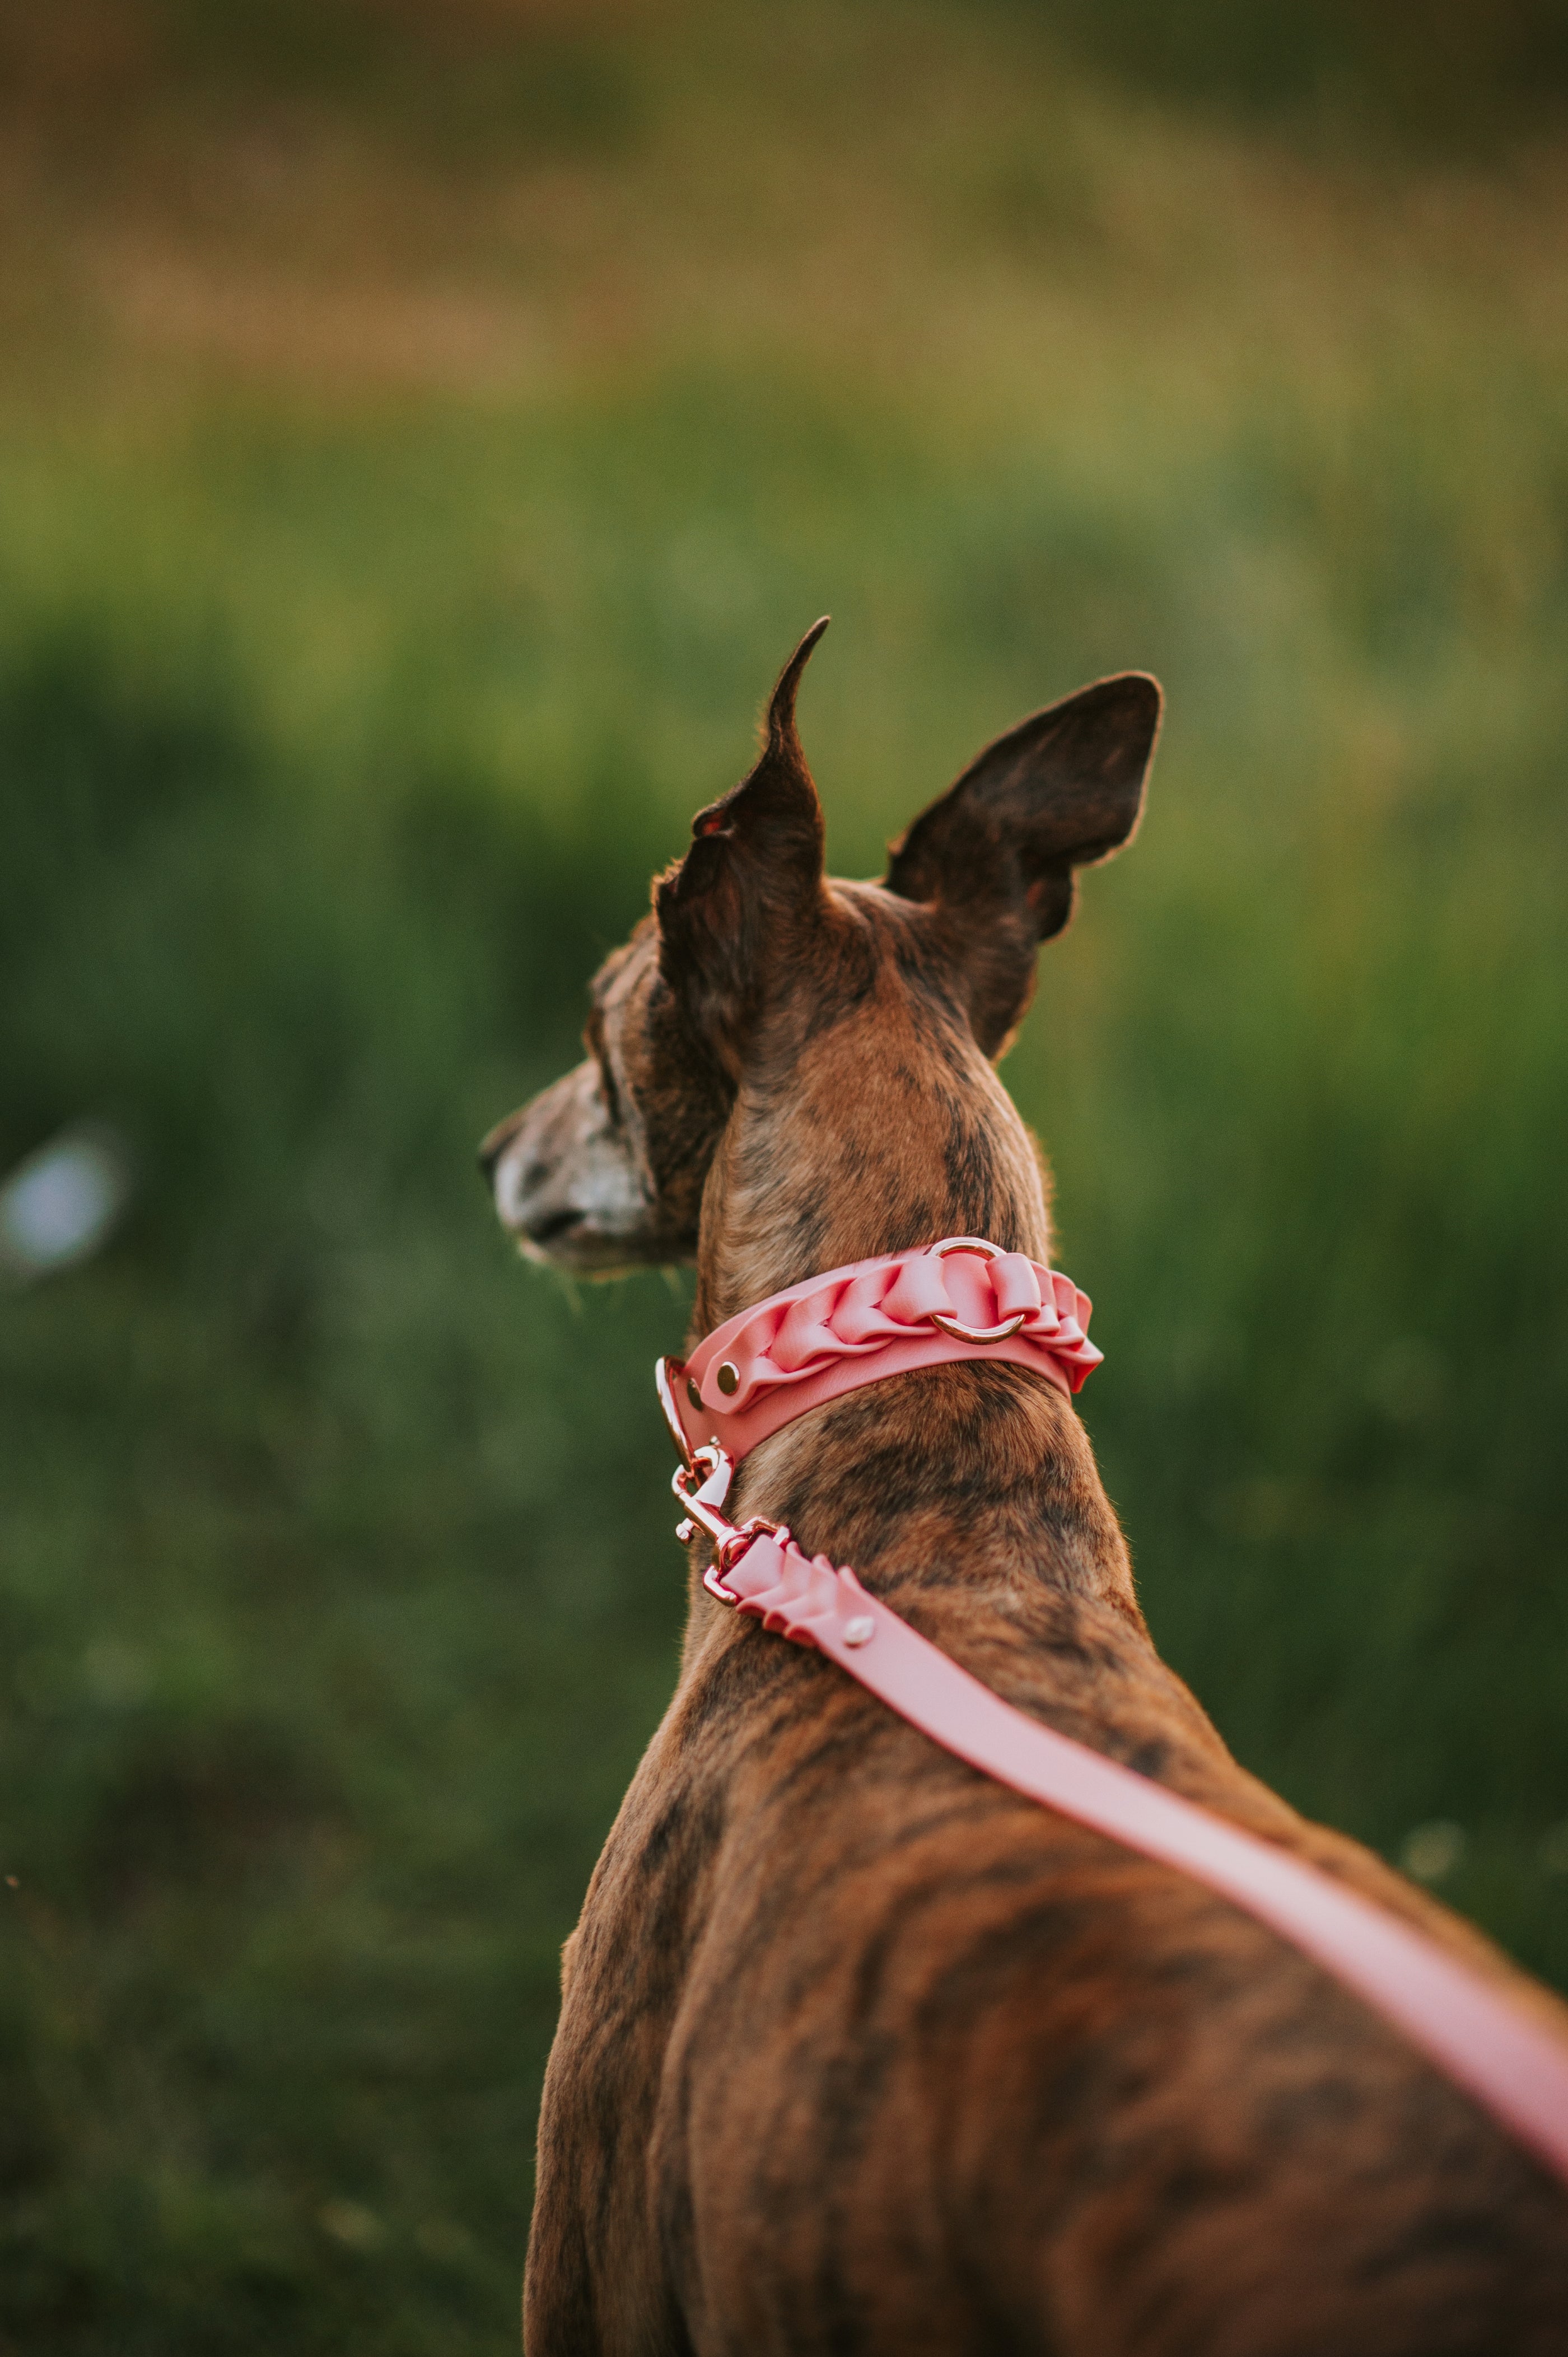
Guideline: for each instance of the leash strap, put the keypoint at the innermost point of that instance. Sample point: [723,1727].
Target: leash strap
[1513,2065]
[1517,2069]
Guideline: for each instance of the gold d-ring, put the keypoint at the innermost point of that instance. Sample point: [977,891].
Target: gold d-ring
[955,1326]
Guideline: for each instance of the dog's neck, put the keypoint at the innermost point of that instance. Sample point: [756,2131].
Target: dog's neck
[838,1150]
[870,1135]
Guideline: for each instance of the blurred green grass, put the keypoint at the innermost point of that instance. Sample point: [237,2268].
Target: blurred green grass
[340,726]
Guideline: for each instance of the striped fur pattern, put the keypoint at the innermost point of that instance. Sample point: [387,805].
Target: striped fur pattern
[860,2054]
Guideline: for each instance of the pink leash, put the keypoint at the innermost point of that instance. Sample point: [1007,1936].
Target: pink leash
[851,1326]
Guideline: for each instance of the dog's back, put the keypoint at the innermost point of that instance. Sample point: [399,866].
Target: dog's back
[861,2051]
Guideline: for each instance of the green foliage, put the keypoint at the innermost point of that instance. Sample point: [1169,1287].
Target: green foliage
[1444,73]
[462,86]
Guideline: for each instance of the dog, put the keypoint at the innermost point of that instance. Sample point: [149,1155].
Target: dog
[860,2053]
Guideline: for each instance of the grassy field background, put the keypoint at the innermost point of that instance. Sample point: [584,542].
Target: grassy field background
[423,436]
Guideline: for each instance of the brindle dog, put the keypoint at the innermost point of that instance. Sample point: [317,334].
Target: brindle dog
[859,2051]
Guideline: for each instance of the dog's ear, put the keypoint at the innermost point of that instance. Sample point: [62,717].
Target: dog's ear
[738,908]
[997,854]
[1062,790]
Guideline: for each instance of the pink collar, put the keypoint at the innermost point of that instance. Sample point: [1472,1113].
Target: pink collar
[961,1298]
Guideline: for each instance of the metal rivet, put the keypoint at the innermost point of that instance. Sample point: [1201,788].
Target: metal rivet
[692,1394]
[729,1378]
[859,1631]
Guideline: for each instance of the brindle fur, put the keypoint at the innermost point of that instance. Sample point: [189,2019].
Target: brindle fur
[858,2050]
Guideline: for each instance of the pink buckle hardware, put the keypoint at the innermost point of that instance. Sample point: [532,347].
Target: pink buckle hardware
[1507,2058]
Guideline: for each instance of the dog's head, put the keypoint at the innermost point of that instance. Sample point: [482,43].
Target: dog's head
[751,950]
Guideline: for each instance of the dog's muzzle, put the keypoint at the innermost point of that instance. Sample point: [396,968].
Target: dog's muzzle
[565,1182]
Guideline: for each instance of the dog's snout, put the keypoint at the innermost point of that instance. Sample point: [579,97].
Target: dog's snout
[565,1180]
[548,1227]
